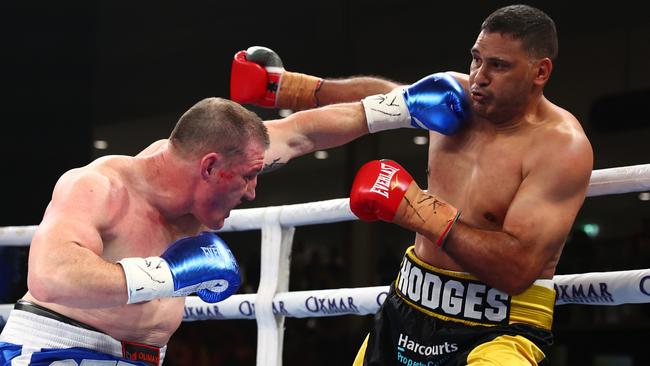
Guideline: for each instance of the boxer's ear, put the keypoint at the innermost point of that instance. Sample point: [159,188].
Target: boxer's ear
[209,163]
[544,67]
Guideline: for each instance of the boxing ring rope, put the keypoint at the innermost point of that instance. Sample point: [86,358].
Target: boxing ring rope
[272,303]
[634,178]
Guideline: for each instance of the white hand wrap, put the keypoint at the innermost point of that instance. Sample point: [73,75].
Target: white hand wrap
[147,278]
[387,111]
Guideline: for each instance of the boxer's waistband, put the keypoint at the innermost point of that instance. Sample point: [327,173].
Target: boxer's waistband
[30,307]
[461,297]
[36,326]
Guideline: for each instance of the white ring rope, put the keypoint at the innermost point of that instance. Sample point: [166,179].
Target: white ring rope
[597,288]
[626,179]
[274,303]
[633,178]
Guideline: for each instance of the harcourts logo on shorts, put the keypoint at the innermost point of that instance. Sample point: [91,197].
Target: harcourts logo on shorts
[405,343]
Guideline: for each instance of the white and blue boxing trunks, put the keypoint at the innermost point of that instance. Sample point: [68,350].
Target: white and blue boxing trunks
[31,338]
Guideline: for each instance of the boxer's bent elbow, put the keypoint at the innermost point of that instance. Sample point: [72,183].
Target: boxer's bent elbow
[38,287]
[47,286]
[517,283]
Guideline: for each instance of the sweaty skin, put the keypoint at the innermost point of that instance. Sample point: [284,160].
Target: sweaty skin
[519,172]
[518,169]
[119,207]
[487,174]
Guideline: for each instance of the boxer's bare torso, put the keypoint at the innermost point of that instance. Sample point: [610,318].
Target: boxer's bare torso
[481,170]
[132,227]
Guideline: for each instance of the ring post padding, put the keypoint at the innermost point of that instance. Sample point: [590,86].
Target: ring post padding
[274,277]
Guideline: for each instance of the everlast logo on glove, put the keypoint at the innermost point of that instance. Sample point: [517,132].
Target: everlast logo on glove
[382,184]
[141,352]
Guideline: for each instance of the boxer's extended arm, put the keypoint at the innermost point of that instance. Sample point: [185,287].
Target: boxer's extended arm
[436,102]
[258,77]
[65,264]
[536,223]
[311,130]
[355,88]
[352,89]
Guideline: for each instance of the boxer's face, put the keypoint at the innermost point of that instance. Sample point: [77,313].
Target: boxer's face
[231,183]
[500,77]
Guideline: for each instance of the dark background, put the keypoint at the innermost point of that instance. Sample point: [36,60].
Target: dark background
[123,72]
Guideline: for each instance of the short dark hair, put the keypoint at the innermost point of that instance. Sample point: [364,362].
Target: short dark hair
[219,125]
[532,26]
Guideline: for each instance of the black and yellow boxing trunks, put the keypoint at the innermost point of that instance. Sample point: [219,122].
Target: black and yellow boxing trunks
[435,317]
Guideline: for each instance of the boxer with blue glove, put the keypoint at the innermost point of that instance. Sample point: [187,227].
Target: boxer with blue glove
[472,289]
[258,77]
[124,239]
[203,264]
[436,102]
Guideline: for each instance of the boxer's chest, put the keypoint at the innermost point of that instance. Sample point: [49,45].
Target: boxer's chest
[141,232]
[480,177]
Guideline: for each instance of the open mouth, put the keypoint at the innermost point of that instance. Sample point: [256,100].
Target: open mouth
[478,96]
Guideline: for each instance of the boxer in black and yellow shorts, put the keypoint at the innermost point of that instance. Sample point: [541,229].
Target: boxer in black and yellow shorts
[434,317]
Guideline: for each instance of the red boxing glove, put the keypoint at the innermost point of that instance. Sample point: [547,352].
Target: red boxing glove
[384,190]
[378,189]
[258,77]
[255,76]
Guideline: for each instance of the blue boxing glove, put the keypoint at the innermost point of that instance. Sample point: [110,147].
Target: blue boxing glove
[203,264]
[436,102]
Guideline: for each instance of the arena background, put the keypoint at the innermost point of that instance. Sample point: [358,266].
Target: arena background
[123,72]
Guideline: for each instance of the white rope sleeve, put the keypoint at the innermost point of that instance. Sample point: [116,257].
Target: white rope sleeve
[634,178]
[17,235]
[597,288]
[603,288]
[296,304]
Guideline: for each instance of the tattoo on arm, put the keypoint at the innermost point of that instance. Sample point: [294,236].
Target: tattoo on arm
[320,85]
[275,164]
